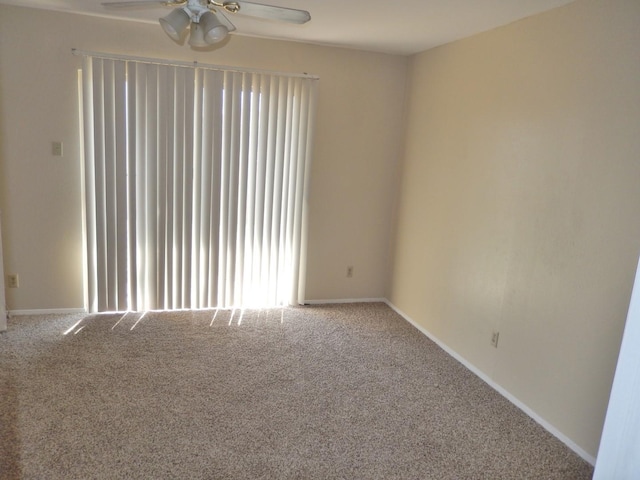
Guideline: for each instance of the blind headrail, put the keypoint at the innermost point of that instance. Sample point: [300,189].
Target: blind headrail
[193,64]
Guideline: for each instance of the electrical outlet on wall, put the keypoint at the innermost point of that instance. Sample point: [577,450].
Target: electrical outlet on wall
[494,339]
[13,281]
[350,271]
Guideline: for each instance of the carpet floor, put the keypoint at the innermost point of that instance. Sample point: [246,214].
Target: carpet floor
[321,392]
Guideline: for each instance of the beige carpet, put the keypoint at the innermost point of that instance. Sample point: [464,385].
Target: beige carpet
[341,391]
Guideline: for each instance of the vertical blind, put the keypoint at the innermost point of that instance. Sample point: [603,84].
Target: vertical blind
[195,184]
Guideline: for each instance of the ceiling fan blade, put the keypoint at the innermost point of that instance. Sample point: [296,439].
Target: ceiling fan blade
[142,3]
[282,14]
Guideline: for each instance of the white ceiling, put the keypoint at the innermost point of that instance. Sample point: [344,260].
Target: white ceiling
[399,27]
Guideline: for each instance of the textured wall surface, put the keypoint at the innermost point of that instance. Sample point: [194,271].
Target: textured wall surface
[518,210]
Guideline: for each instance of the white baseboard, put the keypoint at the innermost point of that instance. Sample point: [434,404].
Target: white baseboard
[47,311]
[518,403]
[345,300]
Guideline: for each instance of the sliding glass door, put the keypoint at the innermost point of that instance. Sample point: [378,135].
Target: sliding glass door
[195,182]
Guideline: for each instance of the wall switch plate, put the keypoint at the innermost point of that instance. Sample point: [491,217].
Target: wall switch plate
[56,149]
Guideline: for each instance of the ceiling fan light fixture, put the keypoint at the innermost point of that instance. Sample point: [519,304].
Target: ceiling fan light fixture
[196,37]
[213,29]
[175,23]
[208,18]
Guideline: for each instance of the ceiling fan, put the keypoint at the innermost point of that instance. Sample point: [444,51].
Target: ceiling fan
[206,18]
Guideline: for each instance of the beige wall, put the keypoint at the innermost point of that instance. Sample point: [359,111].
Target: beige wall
[358,136]
[520,204]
